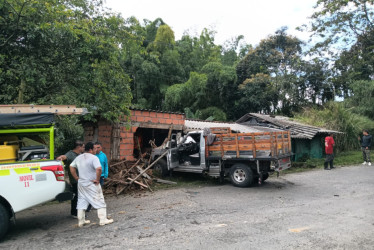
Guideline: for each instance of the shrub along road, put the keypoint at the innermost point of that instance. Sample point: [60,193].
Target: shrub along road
[310,210]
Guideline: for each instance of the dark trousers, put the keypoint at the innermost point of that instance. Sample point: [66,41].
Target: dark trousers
[329,159]
[366,154]
[74,201]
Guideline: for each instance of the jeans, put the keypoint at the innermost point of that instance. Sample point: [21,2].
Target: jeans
[329,159]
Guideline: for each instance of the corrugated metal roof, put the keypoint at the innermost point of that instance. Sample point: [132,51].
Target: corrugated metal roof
[298,130]
[191,125]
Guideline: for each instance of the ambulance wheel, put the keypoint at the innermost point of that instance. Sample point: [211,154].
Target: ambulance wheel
[265,176]
[241,175]
[4,221]
[161,168]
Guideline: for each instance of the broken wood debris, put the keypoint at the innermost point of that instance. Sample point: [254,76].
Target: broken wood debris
[130,176]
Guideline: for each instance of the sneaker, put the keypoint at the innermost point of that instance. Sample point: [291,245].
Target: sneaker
[364,163]
[369,163]
[327,169]
[74,216]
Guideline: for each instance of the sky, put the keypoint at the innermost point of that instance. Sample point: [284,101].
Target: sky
[254,19]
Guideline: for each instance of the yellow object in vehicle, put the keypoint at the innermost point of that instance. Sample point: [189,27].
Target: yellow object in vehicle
[8,153]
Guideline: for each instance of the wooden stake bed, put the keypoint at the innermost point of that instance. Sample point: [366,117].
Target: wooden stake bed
[250,145]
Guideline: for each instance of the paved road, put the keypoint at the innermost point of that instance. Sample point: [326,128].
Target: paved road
[311,210]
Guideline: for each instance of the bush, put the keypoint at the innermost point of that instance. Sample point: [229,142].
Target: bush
[335,116]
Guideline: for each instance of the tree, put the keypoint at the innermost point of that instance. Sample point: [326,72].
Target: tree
[258,94]
[190,94]
[64,53]
[341,22]
[278,56]
[362,98]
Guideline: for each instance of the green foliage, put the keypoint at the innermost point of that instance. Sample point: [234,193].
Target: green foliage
[212,114]
[190,94]
[362,99]
[336,117]
[164,39]
[258,94]
[340,22]
[278,56]
[63,53]
[346,158]
[68,130]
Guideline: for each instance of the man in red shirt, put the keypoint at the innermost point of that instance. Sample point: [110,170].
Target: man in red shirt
[329,150]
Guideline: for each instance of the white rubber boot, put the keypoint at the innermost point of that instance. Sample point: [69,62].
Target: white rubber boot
[101,213]
[82,218]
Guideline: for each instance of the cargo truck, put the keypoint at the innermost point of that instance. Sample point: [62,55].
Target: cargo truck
[217,152]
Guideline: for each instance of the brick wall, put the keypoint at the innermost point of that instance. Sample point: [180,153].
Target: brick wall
[144,116]
[127,135]
[104,135]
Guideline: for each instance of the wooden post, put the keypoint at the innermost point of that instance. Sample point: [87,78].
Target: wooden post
[115,141]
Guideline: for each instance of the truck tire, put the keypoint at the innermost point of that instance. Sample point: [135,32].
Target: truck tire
[241,175]
[161,168]
[4,221]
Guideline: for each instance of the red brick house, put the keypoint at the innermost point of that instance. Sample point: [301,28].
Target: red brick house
[122,140]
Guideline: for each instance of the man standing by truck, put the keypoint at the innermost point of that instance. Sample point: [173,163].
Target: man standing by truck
[89,190]
[68,158]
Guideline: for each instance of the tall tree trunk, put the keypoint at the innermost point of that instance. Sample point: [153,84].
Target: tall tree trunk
[21,91]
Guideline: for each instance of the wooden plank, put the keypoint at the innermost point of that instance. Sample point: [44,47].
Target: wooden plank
[117,163]
[139,183]
[29,108]
[136,163]
[144,174]
[166,182]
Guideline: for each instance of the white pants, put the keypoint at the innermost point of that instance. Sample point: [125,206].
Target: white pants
[89,193]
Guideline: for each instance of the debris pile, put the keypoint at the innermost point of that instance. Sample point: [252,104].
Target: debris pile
[127,176]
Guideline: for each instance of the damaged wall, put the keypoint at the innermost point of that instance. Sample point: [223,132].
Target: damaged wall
[119,143]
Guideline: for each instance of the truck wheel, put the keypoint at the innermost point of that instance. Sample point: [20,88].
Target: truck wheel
[4,221]
[241,175]
[161,168]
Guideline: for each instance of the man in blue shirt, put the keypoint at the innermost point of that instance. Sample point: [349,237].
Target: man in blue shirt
[103,161]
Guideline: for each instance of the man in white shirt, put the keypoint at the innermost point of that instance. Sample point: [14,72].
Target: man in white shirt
[89,190]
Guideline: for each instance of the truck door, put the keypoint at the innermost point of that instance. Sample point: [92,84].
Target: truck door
[173,158]
[173,154]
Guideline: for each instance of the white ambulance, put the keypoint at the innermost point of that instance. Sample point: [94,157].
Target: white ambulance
[28,174]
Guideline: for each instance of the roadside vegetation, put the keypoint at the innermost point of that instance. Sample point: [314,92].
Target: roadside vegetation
[80,53]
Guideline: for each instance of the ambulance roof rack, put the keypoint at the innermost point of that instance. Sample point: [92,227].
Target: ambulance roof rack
[31,108]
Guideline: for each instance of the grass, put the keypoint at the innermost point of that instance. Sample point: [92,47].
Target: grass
[342,159]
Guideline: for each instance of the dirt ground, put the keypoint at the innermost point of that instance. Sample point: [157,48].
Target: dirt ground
[311,210]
